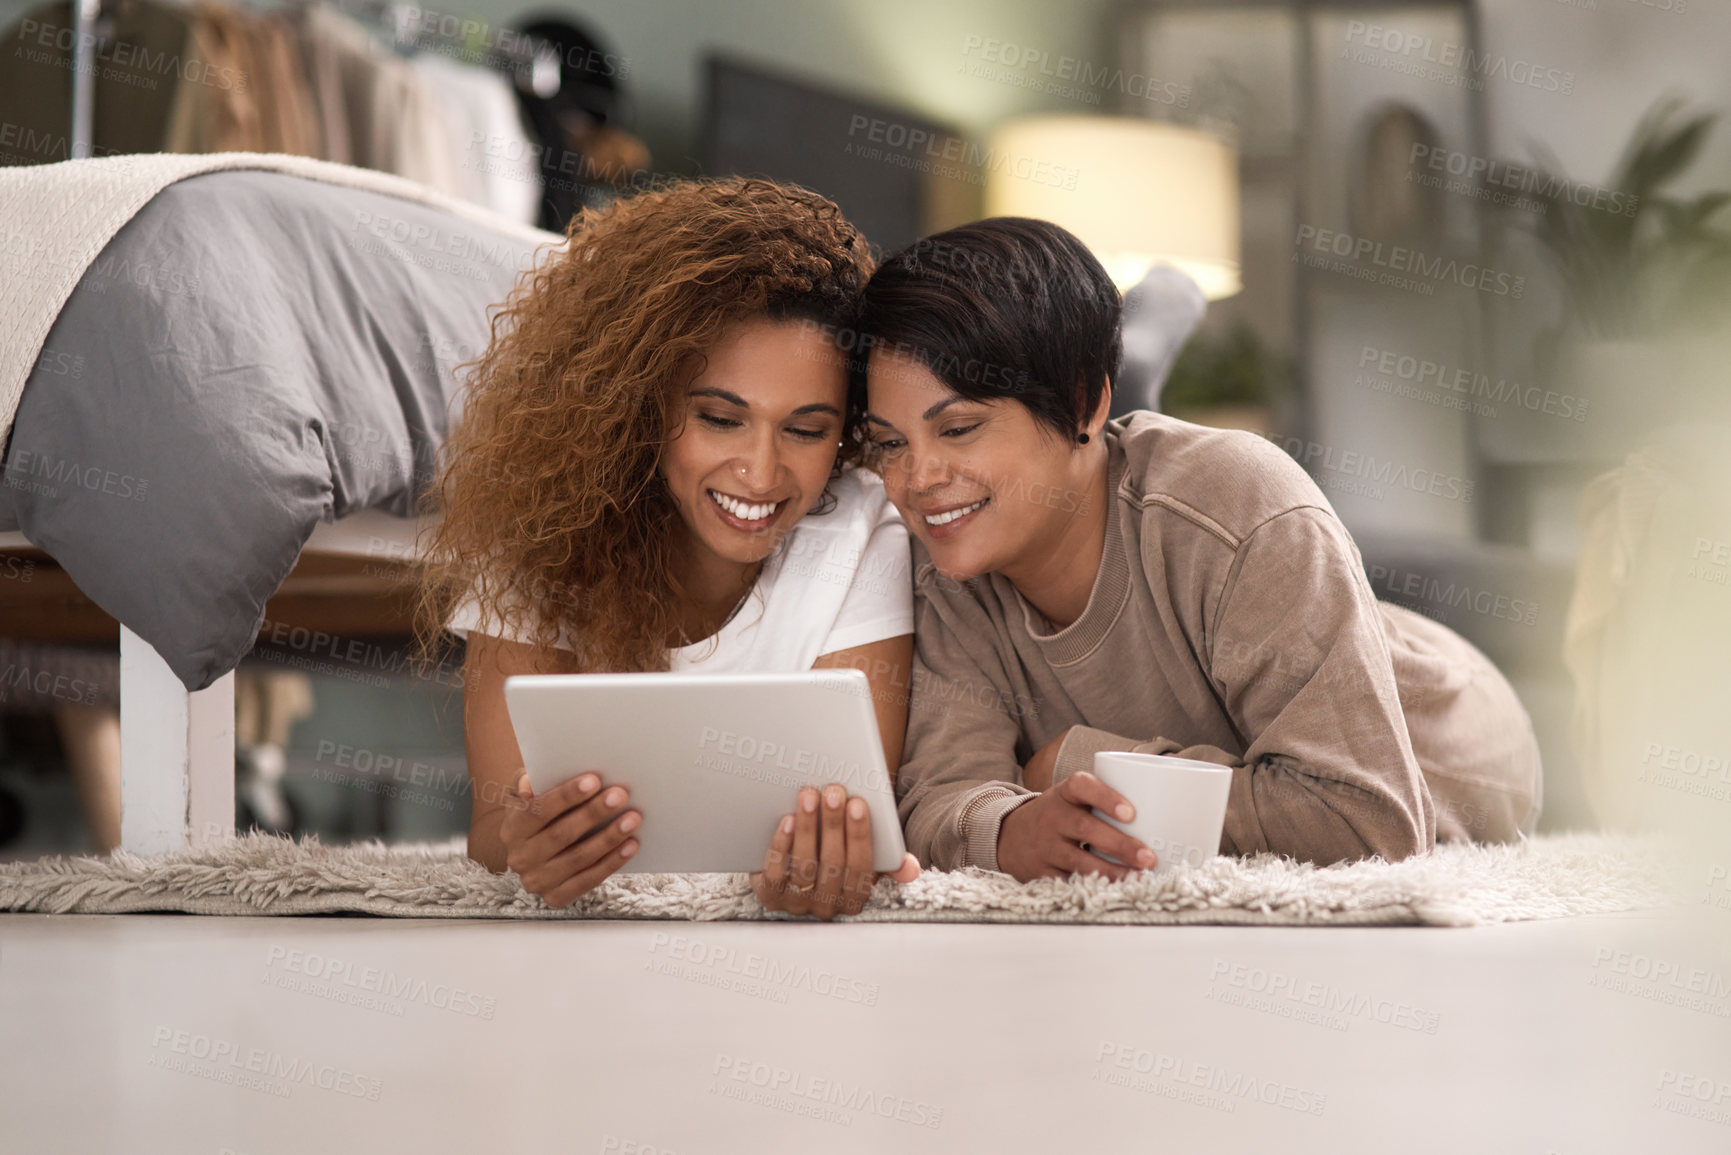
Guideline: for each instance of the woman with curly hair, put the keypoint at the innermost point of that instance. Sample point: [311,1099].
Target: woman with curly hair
[655,469]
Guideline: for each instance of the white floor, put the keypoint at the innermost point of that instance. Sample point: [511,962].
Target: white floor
[180,1034]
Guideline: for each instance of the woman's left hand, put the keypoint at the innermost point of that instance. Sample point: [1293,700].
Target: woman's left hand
[820,860]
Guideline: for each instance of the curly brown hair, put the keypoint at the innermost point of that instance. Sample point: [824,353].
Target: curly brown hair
[554,511]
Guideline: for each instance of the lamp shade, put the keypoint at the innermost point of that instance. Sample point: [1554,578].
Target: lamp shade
[1137,192]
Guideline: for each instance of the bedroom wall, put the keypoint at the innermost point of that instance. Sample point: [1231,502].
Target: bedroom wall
[1626,54]
[906,52]
[911,52]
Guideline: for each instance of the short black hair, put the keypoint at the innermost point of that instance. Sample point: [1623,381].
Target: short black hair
[1004,307]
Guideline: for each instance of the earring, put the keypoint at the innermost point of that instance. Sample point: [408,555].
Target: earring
[1082,440]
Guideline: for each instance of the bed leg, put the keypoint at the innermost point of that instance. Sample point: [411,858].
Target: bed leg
[176,755]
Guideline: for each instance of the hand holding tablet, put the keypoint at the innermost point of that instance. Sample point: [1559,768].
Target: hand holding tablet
[711,765]
[820,859]
[565,842]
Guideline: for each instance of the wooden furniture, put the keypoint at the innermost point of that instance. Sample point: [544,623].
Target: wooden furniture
[353,580]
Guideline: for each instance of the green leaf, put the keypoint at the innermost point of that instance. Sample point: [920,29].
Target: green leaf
[1633,274]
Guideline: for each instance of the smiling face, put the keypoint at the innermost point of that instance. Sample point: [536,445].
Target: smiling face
[982,484]
[755,437]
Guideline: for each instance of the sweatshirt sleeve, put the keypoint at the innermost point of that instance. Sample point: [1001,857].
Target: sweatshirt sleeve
[959,775]
[1299,660]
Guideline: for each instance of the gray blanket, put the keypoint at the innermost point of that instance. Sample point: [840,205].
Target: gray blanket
[251,354]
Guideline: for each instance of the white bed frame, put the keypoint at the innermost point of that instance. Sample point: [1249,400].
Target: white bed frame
[176,745]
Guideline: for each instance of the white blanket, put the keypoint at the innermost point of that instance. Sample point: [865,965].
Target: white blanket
[58,217]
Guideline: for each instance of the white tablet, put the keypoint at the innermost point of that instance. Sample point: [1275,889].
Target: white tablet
[713,761]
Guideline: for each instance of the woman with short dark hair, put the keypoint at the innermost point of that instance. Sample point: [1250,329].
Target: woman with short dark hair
[1142,584]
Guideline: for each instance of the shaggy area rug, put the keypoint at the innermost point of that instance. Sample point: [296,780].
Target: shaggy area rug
[1458,884]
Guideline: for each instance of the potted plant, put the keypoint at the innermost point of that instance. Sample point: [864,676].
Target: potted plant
[1645,280]
[1230,381]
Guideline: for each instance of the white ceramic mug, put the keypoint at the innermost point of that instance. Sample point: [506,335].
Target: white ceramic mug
[1180,804]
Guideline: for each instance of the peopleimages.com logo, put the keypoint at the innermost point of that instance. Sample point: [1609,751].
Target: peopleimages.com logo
[1065,76]
[1389,264]
[257,1068]
[1369,474]
[801,1093]
[1467,389]
[911,141]
[1501,176]
[1448,62]
[765,760]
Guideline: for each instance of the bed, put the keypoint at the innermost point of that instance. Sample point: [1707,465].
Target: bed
[214,367]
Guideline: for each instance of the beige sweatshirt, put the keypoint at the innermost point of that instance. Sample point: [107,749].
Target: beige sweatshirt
[1230,621]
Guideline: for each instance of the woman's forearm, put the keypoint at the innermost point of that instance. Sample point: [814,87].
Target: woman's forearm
[485,845]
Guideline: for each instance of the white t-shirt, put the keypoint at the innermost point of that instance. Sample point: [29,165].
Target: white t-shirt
[837,580]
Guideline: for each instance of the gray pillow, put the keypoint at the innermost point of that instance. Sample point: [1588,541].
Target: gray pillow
[1160,313]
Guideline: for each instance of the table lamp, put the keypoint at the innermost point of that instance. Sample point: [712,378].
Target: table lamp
[1138,192]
